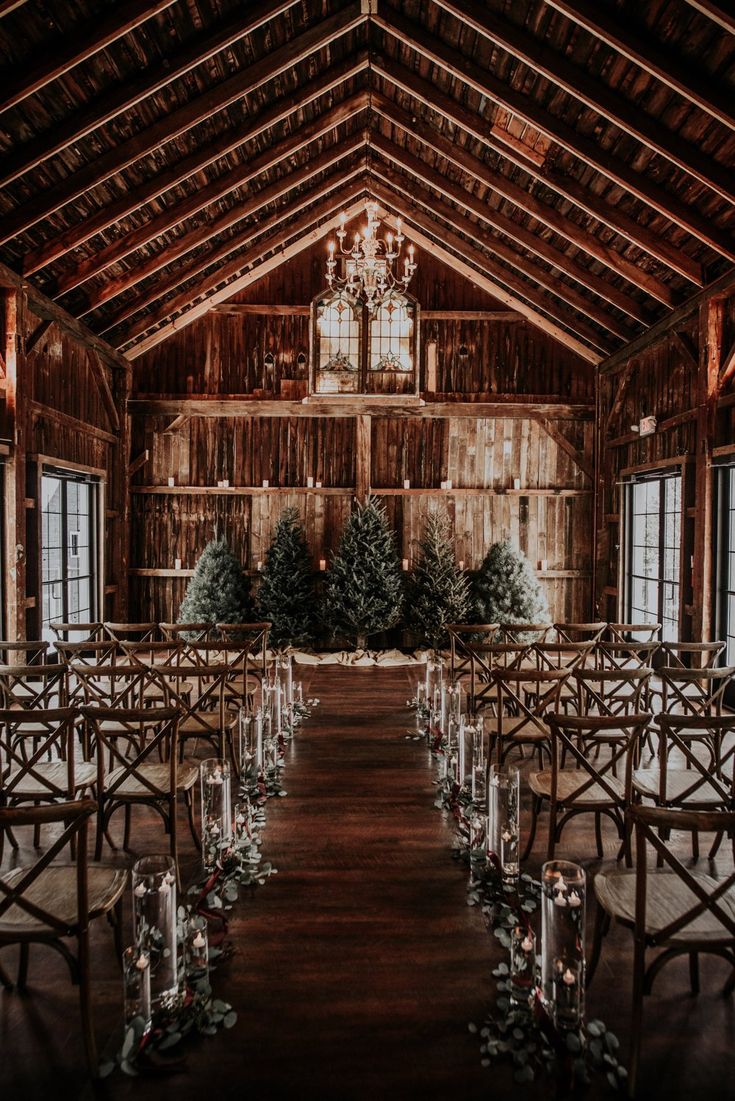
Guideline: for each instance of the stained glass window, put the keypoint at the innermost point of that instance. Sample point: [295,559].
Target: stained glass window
[338,343]
[391,334]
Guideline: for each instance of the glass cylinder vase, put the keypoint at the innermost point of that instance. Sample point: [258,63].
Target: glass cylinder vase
[284,676]
[504,821]
[434,680]
[214,775]
[154,924]
[196,949]
[563,905]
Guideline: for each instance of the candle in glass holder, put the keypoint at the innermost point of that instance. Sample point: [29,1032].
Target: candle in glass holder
[563,897]
[137,986]
[504,821]
[196,952]
[154,924]
[522,965]
[216,810]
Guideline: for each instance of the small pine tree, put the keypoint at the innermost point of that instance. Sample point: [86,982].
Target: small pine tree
[286,595]
[438,593]
[506,590]
[219,591]
[363,588]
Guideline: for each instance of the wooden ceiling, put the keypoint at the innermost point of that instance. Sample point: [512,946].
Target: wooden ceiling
[574,159]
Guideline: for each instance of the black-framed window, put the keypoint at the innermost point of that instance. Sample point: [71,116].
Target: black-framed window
[653,551]
[69,562]
[725,562]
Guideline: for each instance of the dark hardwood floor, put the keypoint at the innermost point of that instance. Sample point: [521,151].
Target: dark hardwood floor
[359,966]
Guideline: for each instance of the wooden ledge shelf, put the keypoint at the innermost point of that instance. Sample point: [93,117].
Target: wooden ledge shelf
[341,491]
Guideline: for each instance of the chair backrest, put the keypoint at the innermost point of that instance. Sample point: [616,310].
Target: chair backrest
[625,655]
[192,632]
[697,894]
[525,632]
[23,653]
[197,693]
[132,632]
[562,655]
[32,686]
[709,784]
[524,697]
[463,637]
[115,685]
[484,657]
[254,634]
[634,632]
[79,631]
[690,655]
[16,890]
[694,691]
[612,691]
[92,652]
[129,739]
[575,744]
[29,739]
[580,632]
[169,652]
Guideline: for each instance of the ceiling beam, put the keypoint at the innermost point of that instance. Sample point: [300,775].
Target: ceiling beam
[521,197]
[198,161]
[6,6]
[595,94]
[239,176]
[640,47]
[410,194]
[323,220]
[226,406]
[472,264]
[531,243]
[220,252]
[723,17]
[427,93]
[178,122]
[585,149]
[131,91]
[80,43]
[212,226]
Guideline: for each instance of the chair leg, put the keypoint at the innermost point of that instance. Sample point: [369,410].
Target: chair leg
[23,965]
[639,963]
[126,835]
[694,972]
[710,856]
[189,802]
[535,809]
[100,830]
[5,978]
[85,1005]
[115,917]
[602,924]
[598,834]
[695,845]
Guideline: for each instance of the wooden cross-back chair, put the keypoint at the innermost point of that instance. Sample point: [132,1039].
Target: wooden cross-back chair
[51,903]
[34,686]
[199,694]
[625,655]
[488,656]
[112,686]
[590,784]
[612,691]
[138,765]
[580,632]
[690,655]
[38,762]
[693,691]
[84,631]
[525,632]
[464,638]
[92,653]
[634,632]
[187,632]
[24,653]
[150,652]
[672,909]
[132,632]
[256,637]
[524,697]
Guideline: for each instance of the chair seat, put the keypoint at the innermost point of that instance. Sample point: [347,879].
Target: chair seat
[157,775]
[647,782]
[668,897]
[568,783]
[53,774]
[55,890]
[205,724]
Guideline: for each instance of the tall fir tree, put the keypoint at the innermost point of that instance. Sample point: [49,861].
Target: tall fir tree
[286,595]
[219,591]
[363,588]
[438,592]
[506,590]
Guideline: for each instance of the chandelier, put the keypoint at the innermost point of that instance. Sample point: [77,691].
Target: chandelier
[370,267]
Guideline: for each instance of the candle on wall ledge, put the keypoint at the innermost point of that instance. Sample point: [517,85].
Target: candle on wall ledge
[448,483]
[544,564]
[406,483]
[259,566]
[177,563]
[172,481]
[266,483]
[318,485]
[225,483]
[322,564]
[309,483]
[460,564]
[405,564]
[516,483]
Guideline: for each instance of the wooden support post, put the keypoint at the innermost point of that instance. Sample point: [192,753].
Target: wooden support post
[119,544]
[103,386]
[363,457]
[15,480]
[711,324]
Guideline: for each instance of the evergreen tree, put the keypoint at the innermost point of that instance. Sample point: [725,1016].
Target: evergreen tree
[363,588]
[506,590]
[438,593]
[219,591]
[286,595]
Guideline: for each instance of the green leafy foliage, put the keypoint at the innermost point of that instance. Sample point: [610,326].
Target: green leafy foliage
[363,588]
[219,591]
[438,592]
[506,590]
[286,595]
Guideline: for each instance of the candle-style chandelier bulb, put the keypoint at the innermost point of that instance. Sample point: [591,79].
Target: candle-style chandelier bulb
[369,265]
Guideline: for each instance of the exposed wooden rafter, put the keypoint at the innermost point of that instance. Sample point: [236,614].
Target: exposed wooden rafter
[178,122]
[635,43]
[227,406]
[587,150]
[427,93]
[77,46]
[35,338]
[724,17]
[129,93]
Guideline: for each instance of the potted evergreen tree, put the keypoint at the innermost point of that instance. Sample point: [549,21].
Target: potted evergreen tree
[363,588]
[506,589]
[286,595]
[219,591]
[438,592]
